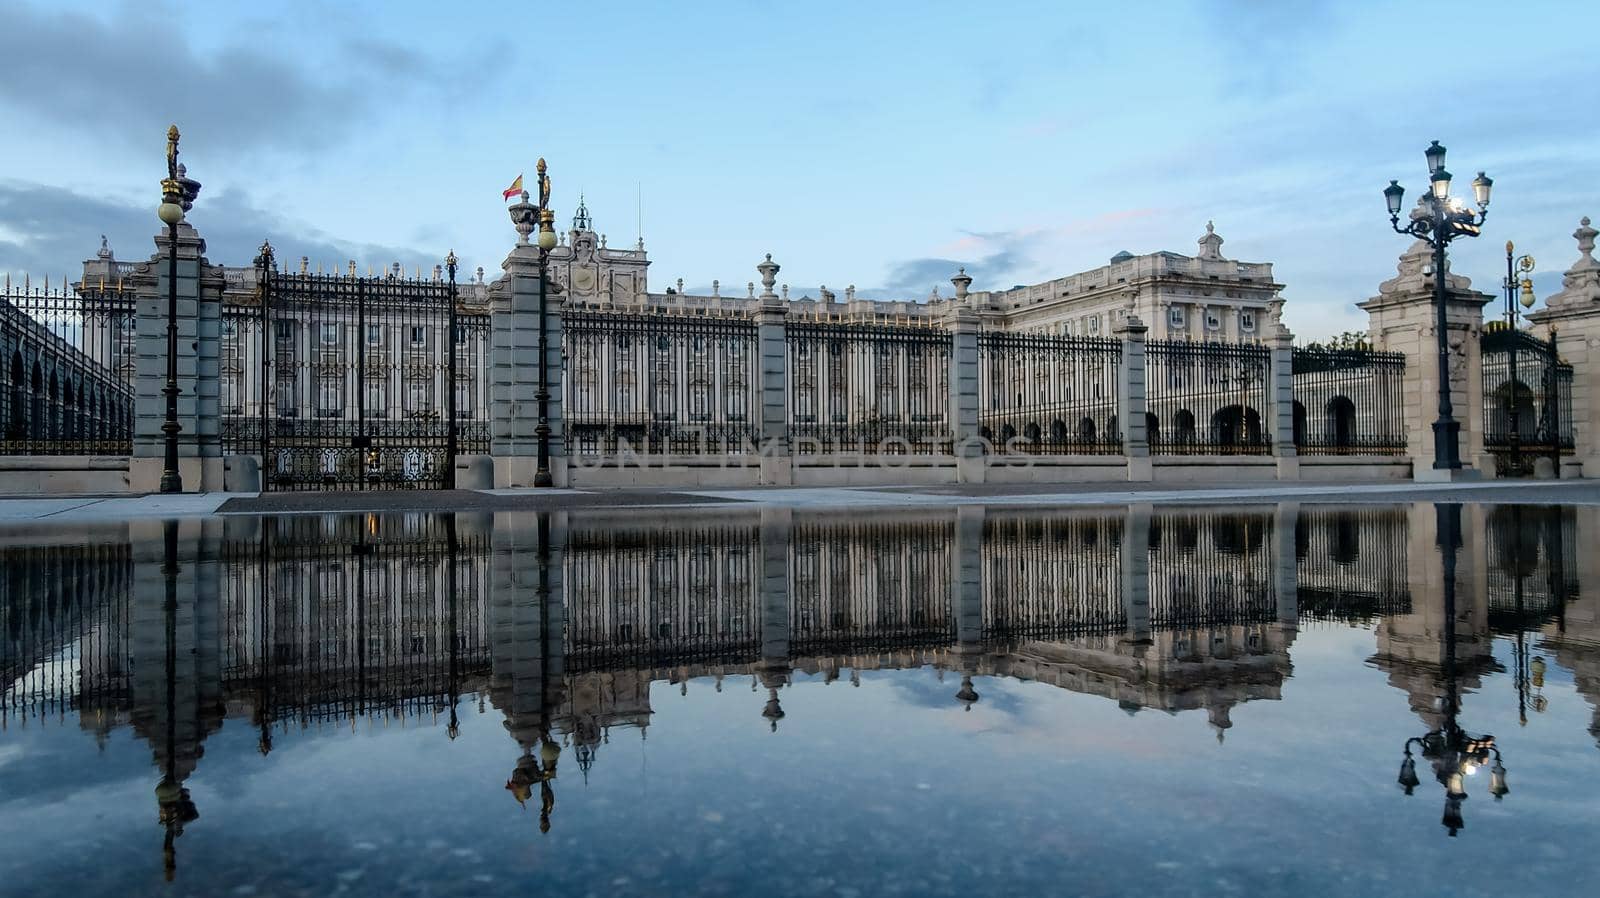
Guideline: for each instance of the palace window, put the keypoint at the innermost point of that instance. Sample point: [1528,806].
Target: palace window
[374,335]
[1175,317]
[283,331]
[1247,320]
[330,334]
[1213,320]
[419,335]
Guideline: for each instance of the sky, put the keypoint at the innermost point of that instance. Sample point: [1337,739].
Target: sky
[880,145]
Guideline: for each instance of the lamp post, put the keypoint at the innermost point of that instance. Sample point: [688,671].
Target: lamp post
[1518,288]
[547,242]
[1438,219]
[178,192]
[450,439]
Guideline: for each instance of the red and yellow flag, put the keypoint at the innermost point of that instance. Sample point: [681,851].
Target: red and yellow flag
[515,188]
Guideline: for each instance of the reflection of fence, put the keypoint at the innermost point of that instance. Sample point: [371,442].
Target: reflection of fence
[869,586]
[1052,577]
[1210,570]
[1351,564]
[1348,401]
[1527,399]
[1532,571]
[868,388]
[659,383]
[66,369]
[1048,394]
[1206,398]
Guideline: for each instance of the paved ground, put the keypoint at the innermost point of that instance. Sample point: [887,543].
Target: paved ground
[60,510]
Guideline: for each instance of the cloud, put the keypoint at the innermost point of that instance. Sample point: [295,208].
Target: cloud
[51,230]
[129,77]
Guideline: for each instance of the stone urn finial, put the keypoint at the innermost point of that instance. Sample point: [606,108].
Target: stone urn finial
[769,275]
[963,281]
[524,217]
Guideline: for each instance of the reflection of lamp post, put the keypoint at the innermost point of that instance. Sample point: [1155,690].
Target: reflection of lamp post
[1438,219]
[1516,290]
[1453,753]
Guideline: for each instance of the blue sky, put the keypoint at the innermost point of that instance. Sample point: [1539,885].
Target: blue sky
[869,144]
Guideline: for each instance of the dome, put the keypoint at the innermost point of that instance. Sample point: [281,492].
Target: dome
[1121,257]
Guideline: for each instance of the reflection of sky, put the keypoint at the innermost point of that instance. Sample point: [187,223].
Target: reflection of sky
[889,785]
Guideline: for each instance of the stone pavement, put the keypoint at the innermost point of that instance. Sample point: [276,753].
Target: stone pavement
[21,511]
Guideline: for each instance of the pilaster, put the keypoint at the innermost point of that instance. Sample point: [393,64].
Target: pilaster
[1573,316]
[968,445]
[1131,408]
[1280,402]
[514,382]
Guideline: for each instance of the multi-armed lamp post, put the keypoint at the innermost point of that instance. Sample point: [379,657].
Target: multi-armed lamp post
[178,192]
[1437,220]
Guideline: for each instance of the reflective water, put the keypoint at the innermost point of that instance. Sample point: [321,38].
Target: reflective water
[1137,700]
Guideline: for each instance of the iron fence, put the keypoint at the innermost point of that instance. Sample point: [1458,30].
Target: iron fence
[1527,399]
[659,383]
[1206,398]
[342,382]
[1048,394]
[1532,570]
[67,360]
[868,388]
[1348,402]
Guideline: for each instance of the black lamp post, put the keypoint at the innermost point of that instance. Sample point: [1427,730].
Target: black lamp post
[1516,289]
[178,192]
[1438,219]
[450,444]
[547,242]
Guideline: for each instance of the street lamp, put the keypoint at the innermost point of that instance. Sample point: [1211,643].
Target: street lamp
[1438,219]
[547,242]
[178,192]
[1519,291]
[451,445]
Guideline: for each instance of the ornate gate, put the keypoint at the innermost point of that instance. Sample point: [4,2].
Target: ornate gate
[1527,400]
[353,382]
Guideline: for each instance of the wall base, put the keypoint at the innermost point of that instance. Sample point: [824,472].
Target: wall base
[200,475]
[63,475]
[1430,474]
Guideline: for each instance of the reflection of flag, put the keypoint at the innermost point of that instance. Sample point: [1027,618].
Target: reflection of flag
[515,188]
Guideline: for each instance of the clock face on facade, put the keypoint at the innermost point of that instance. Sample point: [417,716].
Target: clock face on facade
[583,280]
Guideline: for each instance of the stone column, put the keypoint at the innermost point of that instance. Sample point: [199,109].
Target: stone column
[1401,319]
[963,411]
[1131,398]
[514,371]
[773,357]
[199,366]
[1135,576]
[1574,316]
[1279,413]
[1286,564]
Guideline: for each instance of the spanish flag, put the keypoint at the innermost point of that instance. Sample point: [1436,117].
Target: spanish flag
[515,188]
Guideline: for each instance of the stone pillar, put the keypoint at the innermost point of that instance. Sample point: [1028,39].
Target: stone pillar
[773,357]
[1401,319]
[968,445]
[1280,403]
[1573,315]
[199,366]
[1135,576]
[1131,398]
[966,578]
[514,371]
[526,621]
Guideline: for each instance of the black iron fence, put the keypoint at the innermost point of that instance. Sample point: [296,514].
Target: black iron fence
[342,382]
[1055,577]
[868,388]
[1048,394]
[1206,398]
[1348,402]
[1527,399]
[659,383]
[67,360]
[1210,570]
[870,585]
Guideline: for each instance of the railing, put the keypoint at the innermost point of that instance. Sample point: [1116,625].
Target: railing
[868,388]
[1348,402]
[1206,398]
[1527,409]
[659,383]
[1048,394]
[67,363]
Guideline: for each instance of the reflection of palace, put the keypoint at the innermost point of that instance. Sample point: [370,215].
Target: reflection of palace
[563,621]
